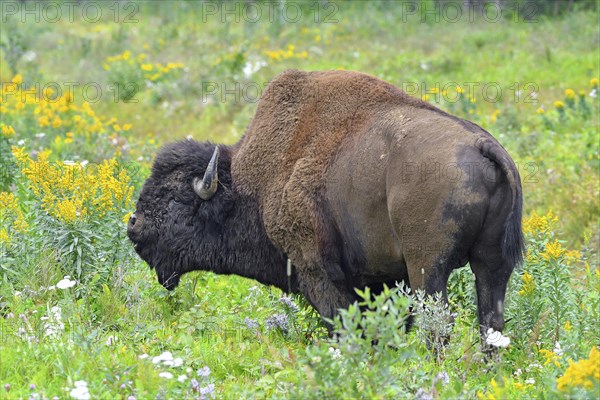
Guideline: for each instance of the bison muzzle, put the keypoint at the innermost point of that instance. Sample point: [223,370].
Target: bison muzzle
[354,181]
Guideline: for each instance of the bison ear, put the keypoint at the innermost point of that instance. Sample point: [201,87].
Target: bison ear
[207,187]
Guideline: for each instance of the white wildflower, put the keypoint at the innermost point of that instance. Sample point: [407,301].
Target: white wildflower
[250,68]
[176,362]
[166,375]
[80,392]
[29,56]
[54,326]
[182,378]
[496,339]
[143,356]
[335,353]
[557,349]
[530,381]
[65,283]
[166,356]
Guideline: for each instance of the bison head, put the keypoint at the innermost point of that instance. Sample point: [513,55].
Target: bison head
[175,227]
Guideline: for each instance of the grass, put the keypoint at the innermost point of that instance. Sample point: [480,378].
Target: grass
[116,312]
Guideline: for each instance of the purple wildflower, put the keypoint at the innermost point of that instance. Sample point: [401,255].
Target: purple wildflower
[195,384]
[208,390]
[288,303]
[251,324]
[442,377]
[423,395]
[277,321]
[204,372]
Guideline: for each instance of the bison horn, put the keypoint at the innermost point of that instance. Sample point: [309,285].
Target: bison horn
[207,187]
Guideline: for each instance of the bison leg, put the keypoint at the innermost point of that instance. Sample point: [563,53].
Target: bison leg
[491,278]
[323,294]
[429,272]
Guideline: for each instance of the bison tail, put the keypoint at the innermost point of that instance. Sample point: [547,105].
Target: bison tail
[513,243]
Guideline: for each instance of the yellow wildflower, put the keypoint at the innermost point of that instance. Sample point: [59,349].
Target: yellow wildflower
[147,67]
[570,93]
[540,110]
[43,121]
[553,250]
[127,127]
[594,82]
[17,79]
[47,92]
[550,356]
[459,89]
[573,255]
[126,55]
[495,115]
[11,216]
[495,392]
[7,130]
[66,210]
[568,326]
[126,217]
[20,153]
[539,224]
[585,373]
[69,193]
[559,104]
[4,236]
[56,122]
[528,284]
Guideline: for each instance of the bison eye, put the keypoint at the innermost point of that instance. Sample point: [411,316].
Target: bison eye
[132,220]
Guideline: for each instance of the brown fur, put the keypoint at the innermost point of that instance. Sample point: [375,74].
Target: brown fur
[326,147]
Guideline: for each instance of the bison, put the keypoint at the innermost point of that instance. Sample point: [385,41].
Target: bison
[354,181]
